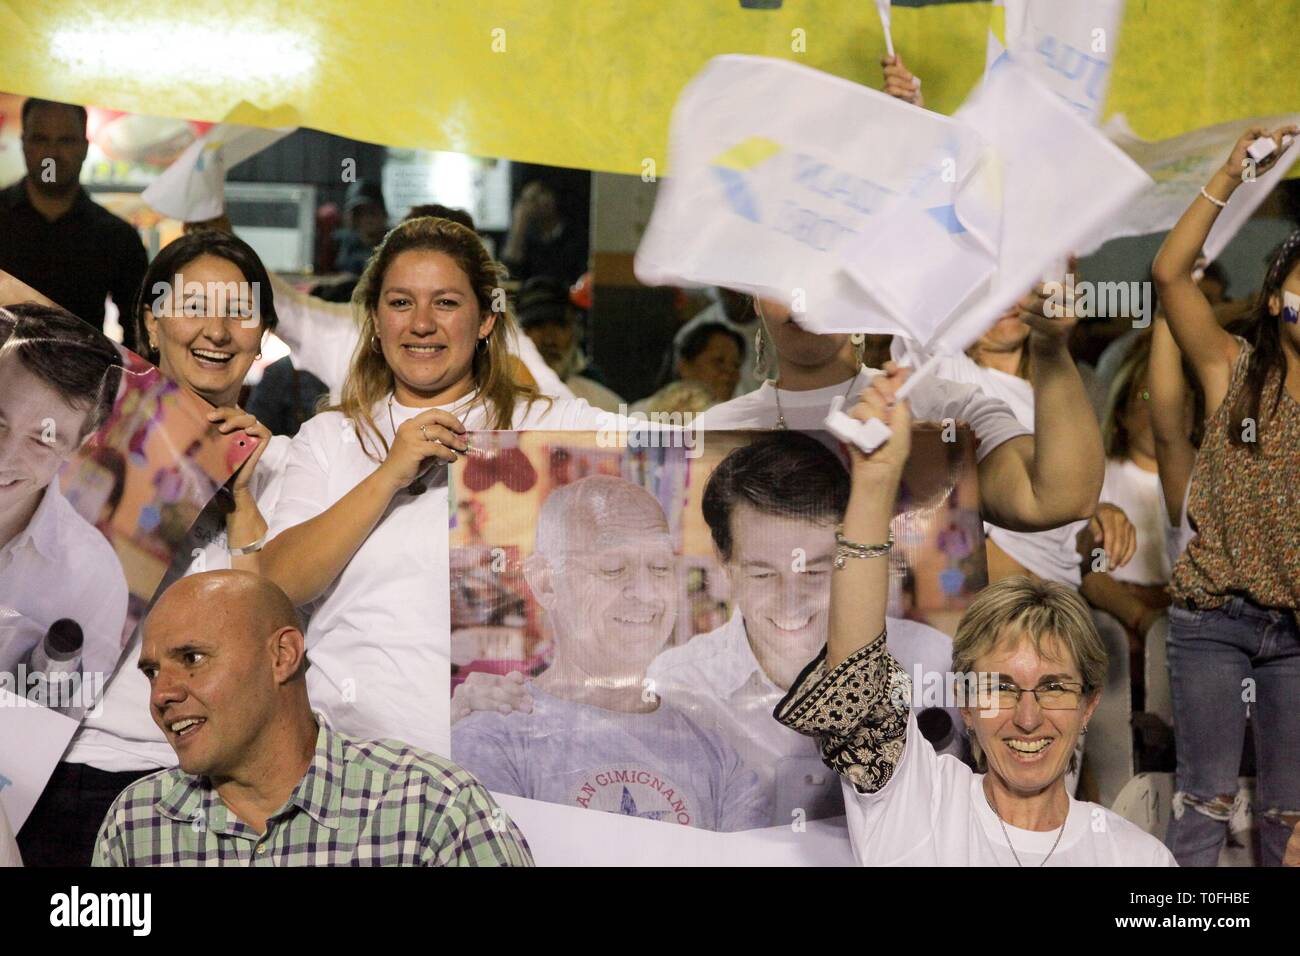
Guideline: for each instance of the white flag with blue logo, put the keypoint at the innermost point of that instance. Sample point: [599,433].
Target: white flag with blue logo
[866,214]
[774,166]
[1068,45]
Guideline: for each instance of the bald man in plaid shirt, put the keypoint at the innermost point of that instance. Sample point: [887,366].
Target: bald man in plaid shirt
[262,781]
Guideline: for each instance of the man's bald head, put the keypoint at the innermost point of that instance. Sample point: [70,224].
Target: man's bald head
[223,652]
[596,512]
[244,604]
[605,571]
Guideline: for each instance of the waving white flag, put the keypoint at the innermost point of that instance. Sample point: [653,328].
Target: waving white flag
[774,166]
[1068,45]
[866,214]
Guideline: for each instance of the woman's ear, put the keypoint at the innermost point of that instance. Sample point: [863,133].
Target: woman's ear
[1274,304]
[151,327]
[486,323]
[1093,699]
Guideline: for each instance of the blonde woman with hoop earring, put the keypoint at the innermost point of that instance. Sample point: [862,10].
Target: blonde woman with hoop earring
[359,537]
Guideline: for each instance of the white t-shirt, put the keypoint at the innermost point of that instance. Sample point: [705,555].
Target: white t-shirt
[933,812]
[1138,494]
[123,736]
[715,679]
[1051,554]
[322,336]
[934,400]
[61,566]
[657,765]
[379,636]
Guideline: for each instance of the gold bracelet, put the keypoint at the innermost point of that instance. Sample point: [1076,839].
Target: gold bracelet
[845,549]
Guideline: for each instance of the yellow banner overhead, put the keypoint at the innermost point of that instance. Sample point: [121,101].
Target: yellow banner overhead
[585,83]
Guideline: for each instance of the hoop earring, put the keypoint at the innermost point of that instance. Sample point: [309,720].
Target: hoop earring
[375,346]
[482,345]
[859,343]
[760,351]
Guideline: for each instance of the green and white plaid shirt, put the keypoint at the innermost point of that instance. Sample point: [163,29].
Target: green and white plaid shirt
[360,803]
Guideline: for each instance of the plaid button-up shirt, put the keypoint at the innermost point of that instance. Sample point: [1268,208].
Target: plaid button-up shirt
[360,803]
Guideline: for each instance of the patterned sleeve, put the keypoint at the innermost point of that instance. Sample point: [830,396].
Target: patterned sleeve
[858,713]
[472,830]
[109,850]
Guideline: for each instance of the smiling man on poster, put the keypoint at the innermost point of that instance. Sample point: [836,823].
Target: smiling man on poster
[58,381]
[597,737]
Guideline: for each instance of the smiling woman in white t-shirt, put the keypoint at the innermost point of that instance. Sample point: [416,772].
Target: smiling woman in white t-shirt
[1041,661]
[360,532]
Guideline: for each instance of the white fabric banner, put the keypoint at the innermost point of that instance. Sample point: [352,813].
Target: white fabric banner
[1068,45]
[192,189]
[1182,165]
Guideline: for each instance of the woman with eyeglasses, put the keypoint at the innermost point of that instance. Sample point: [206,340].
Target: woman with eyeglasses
[202,313]
[1031,664]
[360,534]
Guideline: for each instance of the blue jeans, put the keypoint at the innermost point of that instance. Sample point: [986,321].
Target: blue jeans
[1222,662]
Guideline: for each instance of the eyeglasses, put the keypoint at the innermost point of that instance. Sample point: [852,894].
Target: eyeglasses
[1054,695]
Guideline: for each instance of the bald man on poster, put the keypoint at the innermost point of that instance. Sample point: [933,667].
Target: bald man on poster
[264,781]
[605,574]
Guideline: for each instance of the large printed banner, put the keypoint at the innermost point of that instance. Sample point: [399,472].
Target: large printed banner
[588,83]
[625,619]
[107,491]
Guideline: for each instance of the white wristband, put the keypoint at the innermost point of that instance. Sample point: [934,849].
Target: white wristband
[1218,202]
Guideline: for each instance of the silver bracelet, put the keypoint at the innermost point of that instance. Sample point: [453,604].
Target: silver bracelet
[845,549]
[1218,202]
[253,548]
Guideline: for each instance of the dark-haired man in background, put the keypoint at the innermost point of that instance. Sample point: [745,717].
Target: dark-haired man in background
[57,239]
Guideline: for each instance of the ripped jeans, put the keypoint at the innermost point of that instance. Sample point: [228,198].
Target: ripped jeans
[1222,661]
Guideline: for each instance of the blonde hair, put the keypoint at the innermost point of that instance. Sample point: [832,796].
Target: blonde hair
[1024,607]
[370,378]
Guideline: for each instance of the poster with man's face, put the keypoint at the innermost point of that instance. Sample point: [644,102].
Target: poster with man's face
[624,620]
[104,466]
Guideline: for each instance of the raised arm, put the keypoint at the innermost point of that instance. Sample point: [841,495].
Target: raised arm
[1168,387]
[848,698]
[1056,478]
[860,589]
[1210,349]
